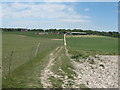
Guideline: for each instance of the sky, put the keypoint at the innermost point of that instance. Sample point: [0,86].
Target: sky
[60,0]
[100,16]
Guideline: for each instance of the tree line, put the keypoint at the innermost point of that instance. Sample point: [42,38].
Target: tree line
[62,31]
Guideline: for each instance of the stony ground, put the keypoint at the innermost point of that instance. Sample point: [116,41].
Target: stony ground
[98,72]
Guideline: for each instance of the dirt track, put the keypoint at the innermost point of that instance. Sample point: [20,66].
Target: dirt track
[103,73]
[47,71]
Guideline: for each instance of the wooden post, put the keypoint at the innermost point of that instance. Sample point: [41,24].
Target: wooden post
[10,62]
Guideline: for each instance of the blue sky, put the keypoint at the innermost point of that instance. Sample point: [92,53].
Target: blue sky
[60,0]
[101,16]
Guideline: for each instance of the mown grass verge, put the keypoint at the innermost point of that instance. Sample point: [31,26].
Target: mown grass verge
[62,62]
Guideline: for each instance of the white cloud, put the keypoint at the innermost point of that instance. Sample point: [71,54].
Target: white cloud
[60,0]
[0,10]
[87,9]
[43,11]
[40,1]
[19,6]
[0,14]
[74,20]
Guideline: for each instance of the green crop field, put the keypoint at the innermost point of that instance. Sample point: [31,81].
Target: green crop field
[25,66]
[30,33]
[92,45]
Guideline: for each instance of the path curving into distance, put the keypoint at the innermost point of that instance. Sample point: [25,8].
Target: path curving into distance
[44,78]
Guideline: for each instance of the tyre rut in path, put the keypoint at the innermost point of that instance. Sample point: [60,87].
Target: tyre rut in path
[44,78]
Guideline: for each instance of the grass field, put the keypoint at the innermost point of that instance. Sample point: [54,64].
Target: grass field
[25,67]
[92,45]
[30,34]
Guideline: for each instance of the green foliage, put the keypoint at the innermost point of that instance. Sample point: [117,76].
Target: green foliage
[56,82]
[91,61]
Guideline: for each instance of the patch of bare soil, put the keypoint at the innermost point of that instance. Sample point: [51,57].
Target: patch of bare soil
[84,36]
[56,39]
[22,36]
[98,72]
